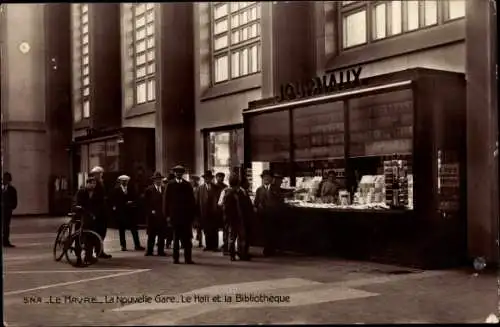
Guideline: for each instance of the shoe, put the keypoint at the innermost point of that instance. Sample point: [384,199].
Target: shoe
[190,262]
[9,245]
[162,254]
[176,262]
[105,256]
[140,248]
[148,254]
[124,249]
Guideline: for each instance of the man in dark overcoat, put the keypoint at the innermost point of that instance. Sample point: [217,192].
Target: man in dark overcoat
[268,202]
[208,211]
[101,206]
[179,207]
[124,205]
[156,221]
[9,204]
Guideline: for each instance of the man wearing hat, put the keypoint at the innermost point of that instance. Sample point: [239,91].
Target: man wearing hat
[156,221]
[101,209]
[208,211]
[267,200]
[124,201]
[179,207]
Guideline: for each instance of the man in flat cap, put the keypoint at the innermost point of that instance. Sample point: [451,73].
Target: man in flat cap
[156,221]
[179,207]
[101,209]
[124,201]
[207,209]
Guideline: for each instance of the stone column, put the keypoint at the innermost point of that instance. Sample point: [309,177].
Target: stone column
[24,129]
[482,129]
[176,88]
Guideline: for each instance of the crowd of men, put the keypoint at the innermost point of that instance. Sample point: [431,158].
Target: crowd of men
[174,208]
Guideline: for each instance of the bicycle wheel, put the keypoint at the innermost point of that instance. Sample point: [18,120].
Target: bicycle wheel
[63,233]
[83,248]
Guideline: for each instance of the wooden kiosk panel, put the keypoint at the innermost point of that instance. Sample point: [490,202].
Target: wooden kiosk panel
[418,114]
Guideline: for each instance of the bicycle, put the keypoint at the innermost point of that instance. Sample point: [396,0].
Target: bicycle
[73,239]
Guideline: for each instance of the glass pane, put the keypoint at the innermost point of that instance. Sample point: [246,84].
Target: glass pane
[253,14]
[86,109]
[253,31]
[220,42]
[140,8]
[84,158]
[85,28]
[151,69]
[220,11]
[235,21]
[254,59]
[150,43]
[221,69]
[84,7]
[236,37]
[150,29]
[380,22]
[244,17]
[77,114]
[85,18]
[235,65]
[85,60]
[141,59]
[141,72]
[151,55]
[244,62]
[270,137]
[345,3]
[355,29]
[141,46]
[112,156]
[220,27]
[220,150]
[97,154]
[86,91]
[396,17]
[140,92]
[85,39]
[86,81]
[457,9]
[234,6]
[150,16]
[412,9]
[430,11]
[140,34]
[85,70]
[150,5]
[244,34]
[85,49]
[140,21]
[319,131]
[151,90]
[258,11]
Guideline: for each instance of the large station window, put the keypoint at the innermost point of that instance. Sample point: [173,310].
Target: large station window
[367,21]
[144,52]
[82,110]
[236,48]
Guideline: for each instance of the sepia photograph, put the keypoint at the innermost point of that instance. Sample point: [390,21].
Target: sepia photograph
[260,163]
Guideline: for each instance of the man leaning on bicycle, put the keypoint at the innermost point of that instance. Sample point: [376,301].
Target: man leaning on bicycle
[89,207]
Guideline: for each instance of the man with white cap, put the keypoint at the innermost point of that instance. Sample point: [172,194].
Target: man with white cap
[101,209]
[124,202]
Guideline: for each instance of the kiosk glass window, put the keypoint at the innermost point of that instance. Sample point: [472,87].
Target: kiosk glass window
[270,144]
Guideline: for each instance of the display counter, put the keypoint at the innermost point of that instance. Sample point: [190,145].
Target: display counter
[377,172]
